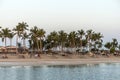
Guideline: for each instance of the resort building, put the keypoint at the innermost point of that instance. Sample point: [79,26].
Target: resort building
[8,49]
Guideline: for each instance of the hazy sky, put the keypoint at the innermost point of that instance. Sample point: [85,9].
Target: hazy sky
[99,15]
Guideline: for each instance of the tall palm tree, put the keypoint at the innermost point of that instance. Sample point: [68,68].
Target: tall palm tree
[62,39]
[81,33]
[33,38]
[72,38]
[97,40]
[24,37]
[18,32]
[5,34]
[40,36]
[19,29]
[88,38]
[10,36]
[24,26]
[32,44]
[52,39]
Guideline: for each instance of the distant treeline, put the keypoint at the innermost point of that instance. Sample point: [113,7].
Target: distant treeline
[83,40]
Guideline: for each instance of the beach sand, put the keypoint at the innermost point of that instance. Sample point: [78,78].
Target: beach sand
[57,60]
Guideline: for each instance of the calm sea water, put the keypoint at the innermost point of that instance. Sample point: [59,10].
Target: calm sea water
[76,72]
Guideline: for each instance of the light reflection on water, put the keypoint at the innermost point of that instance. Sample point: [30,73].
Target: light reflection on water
[61,72]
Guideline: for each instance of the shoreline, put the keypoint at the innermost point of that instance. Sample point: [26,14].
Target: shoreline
[40,62]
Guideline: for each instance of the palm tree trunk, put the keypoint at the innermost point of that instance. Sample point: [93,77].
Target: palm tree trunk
[31,48]
[31,54]
[5,41]
[10,42]
[37,45]
[88,44]
[5,48]
[81,45]
[40,46]
[24,44]
[61,47]
[38,49]
[17,44]
[11,45]
[73,46]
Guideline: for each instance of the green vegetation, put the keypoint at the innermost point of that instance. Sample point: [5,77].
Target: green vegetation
[57,41]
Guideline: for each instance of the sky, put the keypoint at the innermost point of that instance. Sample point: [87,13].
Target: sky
[100,15]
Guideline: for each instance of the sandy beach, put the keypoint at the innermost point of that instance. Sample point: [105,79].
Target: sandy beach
[14,60]
[39,62]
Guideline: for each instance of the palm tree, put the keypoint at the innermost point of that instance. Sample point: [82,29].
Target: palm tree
[88,38]
[5,34]
[24,37]
[33,38]
[108,45]
[10,36]
[62,39]
[19,29]
[72,40]
[97,40]
[40,36]
[81,33]
[24,27]
[32,44]
[114,43]
[52,39]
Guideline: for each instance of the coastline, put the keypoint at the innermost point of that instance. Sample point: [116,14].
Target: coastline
[40,62]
